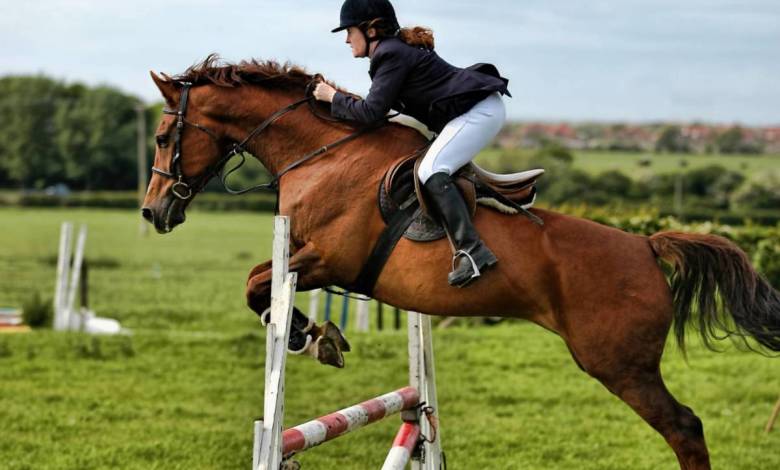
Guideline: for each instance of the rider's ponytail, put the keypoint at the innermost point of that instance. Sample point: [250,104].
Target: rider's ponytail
[418,36]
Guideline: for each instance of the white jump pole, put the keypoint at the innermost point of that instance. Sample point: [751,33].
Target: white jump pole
[267,453]
[314,304]
[361,316]
[71,320]
[422,376]
[63,268]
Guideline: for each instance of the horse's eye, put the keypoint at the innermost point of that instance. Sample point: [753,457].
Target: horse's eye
[162,140]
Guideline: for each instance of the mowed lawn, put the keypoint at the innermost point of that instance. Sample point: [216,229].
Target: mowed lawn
[183,389]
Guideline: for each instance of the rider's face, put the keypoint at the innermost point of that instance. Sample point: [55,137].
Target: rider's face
[357,40]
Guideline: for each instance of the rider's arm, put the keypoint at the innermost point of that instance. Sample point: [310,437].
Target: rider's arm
[390,72]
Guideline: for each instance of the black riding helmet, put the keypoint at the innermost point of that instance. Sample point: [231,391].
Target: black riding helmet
[356,12]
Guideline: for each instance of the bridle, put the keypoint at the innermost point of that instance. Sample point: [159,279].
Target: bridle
[180,188]
[183,190]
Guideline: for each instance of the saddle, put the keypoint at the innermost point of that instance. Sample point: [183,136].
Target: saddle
[402,205]
[508,194]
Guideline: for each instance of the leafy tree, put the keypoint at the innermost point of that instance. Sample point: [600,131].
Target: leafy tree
[730,141]
[722,189]
[700,180]
[97,137]
[761,192]
[53,132]
[672,140]
[662,184]
[28,156]
[614,183]
[555,150]
[569,186]
[733,141]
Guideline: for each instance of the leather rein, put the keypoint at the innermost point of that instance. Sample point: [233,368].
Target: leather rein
[182,189]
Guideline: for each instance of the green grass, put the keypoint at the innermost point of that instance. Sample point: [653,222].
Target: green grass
[594,162]
[182,391]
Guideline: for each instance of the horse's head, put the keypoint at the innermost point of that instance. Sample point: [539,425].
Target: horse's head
[190,147]
[212,112]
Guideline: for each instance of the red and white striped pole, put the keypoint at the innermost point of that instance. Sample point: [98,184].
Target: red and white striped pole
[326,428]
[403,447]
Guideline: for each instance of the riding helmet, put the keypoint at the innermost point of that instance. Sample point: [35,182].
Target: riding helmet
[355,12]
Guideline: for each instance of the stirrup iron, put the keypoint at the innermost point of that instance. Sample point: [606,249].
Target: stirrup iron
[468,256]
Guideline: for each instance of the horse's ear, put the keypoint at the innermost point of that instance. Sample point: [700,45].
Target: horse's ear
[166,87]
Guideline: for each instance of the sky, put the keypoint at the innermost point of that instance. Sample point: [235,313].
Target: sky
[604,60]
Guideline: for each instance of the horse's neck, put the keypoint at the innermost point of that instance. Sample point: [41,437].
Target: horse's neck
[300,132]
[344,178]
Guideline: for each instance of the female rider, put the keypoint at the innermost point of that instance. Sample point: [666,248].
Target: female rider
[463,106]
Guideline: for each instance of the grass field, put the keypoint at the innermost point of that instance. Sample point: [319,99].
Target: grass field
[183,390]
[594,162]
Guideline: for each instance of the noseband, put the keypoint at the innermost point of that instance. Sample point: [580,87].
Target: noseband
[184,190]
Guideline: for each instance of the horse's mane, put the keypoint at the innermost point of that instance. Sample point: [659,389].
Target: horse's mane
[268,72]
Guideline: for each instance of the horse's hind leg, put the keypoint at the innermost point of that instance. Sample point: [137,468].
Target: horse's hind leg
[646,393]
[634,376]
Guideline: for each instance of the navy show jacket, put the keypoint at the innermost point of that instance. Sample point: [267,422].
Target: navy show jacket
[417,82]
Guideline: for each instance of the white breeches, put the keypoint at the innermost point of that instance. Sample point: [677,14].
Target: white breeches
[463,137]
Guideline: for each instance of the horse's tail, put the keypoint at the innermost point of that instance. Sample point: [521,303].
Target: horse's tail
[714,275]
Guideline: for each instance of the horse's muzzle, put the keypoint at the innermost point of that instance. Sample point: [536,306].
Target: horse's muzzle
[147,214]
[166,219]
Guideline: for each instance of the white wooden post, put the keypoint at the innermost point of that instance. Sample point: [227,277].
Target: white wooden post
[422,377]
[432,450]
[361,316]
[63,268]
[314,304]
[268,432]
[71,319]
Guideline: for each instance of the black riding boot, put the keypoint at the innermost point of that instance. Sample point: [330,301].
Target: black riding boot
[471,255]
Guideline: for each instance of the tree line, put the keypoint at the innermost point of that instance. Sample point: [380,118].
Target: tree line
[55,132]
[85,137]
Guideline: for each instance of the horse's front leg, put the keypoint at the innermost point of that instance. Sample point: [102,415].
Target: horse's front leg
[324,342]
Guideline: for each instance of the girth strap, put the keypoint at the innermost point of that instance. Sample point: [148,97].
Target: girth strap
[396,226]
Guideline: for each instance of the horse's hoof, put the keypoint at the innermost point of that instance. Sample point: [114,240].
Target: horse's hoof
[331,345]
[328,352]
[330,330]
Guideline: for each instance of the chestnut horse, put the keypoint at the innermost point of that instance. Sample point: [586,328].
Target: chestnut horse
[600,289]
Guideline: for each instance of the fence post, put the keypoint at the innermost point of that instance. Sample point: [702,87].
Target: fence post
[314,304]
[68,316]
[422,376]
[268,443]
[361,314]
[63,269]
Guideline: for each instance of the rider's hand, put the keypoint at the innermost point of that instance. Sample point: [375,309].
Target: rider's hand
[324,92]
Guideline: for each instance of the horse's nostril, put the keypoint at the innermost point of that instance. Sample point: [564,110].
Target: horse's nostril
[147,214]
